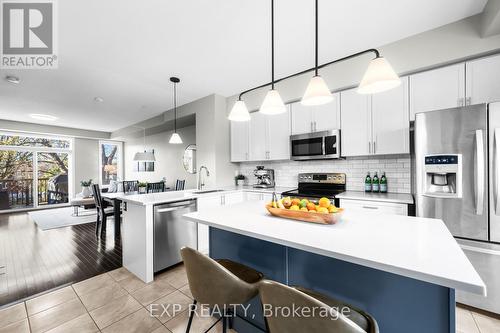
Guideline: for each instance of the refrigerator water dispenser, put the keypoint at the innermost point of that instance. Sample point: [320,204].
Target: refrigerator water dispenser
[443,176]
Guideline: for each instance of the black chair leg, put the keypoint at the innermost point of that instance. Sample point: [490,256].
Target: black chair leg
[103,224]
[224,324]
[97,222]
[192,308]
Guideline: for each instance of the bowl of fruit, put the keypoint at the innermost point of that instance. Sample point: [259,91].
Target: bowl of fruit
[323,211]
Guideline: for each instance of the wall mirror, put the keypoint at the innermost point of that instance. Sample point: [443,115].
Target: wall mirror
[189,159]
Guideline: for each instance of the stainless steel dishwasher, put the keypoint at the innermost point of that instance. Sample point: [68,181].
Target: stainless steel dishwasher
[172,232]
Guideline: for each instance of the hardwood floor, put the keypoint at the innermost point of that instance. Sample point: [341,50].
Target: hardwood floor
[33,261]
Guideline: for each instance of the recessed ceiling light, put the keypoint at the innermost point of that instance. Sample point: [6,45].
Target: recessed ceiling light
[98,99]
[12,79]
[46,117]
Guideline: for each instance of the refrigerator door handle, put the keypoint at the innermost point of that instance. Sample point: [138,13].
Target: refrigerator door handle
[496,168]
[479,172]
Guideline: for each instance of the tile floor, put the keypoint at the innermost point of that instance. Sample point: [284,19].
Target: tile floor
[119,302]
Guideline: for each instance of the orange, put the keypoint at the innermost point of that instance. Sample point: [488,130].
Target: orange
[295,202]
[311,206]
[332,209]
[324,202]
[323,210]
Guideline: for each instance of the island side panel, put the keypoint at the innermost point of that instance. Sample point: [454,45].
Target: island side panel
[266,257]
[397,303]
[137,241]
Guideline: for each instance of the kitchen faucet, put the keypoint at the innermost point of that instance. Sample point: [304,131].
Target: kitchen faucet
[201,181]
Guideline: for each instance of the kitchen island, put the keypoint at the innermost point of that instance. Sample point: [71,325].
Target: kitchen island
[403,270]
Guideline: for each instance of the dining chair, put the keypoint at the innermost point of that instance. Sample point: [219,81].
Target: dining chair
[130,186]
[155,187]
[179,185]
[102,211]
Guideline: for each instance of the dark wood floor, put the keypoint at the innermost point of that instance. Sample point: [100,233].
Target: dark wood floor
[33,261]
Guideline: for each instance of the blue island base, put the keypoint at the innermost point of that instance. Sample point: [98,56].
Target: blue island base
[398,303]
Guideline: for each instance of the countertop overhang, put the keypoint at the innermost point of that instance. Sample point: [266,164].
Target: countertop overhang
[418,248]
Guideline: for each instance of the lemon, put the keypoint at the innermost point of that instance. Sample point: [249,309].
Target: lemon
[323,210]
[324,202]
[294,207]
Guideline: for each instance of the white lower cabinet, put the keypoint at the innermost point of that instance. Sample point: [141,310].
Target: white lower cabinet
[379,207]
[211,202]
[260,196]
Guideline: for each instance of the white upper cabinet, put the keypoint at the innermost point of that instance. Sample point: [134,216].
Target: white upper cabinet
[483,80]
[306,119]
[302,118]
[239,141]
[278,143]
[327,116]
[258,136]
[437,89]
[355,124]
[390,119]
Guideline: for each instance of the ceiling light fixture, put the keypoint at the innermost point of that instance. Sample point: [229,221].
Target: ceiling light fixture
[272,104]
[175,138]
[12,79]
[44,117]
[145,156]
[98,99]
[317,92]
[379,77]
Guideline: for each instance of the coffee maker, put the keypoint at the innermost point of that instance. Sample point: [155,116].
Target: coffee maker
[265,177]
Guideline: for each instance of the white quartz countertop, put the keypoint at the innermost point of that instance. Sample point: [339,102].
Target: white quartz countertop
[418,248]
[172,196]
[403,198]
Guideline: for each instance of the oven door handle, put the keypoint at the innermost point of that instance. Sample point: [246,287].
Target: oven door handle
[323,145]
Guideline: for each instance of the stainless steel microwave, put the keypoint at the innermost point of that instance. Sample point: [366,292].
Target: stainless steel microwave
[315,146]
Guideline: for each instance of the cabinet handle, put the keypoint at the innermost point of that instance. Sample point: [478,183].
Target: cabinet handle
[370,207]
[315,127]
[312,127]
[369,147]
[246,156]
[468,101]
[374,147]
[460,102]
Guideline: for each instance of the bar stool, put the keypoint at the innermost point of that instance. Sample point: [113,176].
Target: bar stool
[277,296]
[218,283]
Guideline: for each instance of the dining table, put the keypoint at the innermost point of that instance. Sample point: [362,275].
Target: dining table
[115,199]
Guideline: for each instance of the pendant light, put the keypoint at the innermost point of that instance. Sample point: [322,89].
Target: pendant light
[239,112]
[175,138]
[146,156]
[379,77]
[317,92]
[272,104]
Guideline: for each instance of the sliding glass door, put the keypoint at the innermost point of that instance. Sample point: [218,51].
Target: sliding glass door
[34,171]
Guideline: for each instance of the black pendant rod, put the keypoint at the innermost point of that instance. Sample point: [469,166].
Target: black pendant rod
[175,80]
[316,40]
[272,44]
[354,55]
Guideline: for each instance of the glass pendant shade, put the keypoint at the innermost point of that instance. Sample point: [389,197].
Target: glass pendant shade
[239,112]
[175,138]
[380,76]
[146,156]
[317,92]
[272,104]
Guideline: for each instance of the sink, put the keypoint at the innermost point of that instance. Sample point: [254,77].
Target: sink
[207,191]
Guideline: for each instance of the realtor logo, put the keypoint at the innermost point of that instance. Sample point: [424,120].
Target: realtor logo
[28,34]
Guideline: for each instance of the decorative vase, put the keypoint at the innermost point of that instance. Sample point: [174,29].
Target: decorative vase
[86,191]
[142,190]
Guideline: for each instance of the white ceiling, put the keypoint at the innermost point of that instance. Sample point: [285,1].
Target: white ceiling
[125,51]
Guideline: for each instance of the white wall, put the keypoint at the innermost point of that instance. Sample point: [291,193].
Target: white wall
[86,161]
[168,157]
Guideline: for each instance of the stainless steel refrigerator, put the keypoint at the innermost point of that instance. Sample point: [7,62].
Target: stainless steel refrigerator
[457,159]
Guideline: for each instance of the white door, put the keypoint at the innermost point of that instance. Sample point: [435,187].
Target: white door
[355,123]
[437,89]
[258,134]
[239,141]
[279,136]
[301,118]
[390,119]
[203,236]
[327,116]
[483,81]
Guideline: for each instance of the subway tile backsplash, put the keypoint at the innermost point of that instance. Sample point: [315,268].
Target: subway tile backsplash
[397,170]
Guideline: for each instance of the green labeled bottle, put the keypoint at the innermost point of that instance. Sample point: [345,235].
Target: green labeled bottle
[368,183]
[383,183]
[375,183]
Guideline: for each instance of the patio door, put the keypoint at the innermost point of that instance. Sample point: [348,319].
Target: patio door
[16,180]
[52,178]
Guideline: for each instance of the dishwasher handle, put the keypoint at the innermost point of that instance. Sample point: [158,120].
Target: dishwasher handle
[175,207]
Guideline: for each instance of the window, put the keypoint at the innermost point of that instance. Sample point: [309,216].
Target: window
[34,170]
[110,162]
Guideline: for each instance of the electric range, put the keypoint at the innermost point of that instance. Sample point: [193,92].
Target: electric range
[313,186]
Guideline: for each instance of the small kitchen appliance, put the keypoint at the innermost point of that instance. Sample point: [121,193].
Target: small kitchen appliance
[315,146]
[265,177]
[313,186]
